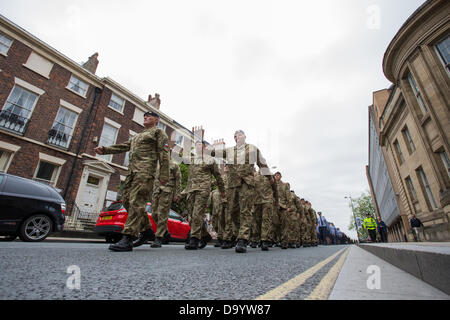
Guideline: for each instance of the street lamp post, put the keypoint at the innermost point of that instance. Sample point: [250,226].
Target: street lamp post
[354,217]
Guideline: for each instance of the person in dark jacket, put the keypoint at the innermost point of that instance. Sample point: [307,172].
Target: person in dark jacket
[417,227]
[382,229]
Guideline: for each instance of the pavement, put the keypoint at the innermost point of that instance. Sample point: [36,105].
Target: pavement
[369,273]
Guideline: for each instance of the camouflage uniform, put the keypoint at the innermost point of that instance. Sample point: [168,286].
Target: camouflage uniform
[198,189]
[285,202]
[147,149]
[303,224]
[314,239]
[295,228]
[241,186]
[265,194]
[163,196]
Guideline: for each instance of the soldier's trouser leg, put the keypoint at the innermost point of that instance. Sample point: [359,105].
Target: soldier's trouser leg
[232,215]
[302,229]
[137,197]
[246,200]
[284,215]
[256,223]
[198,201]
[314,238]
[276,225]
[155,205]
[221,221]
[165,201]
[293,220]
[266,221]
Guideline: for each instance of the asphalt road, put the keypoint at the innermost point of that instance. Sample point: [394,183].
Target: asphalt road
[36,271]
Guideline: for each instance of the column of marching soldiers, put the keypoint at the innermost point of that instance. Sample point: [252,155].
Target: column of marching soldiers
[249,206]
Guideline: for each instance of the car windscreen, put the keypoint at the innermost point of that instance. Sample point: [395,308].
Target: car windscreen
[114,206]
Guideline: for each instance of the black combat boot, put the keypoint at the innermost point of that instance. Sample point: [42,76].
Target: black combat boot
[218,243]
[145,236]
[241,246]
[227,244]
[157,243]
[264,246]
[204,241]
[254,244]
[193,244]
[125,244]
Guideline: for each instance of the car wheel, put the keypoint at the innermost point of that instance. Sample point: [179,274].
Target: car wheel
[35,228]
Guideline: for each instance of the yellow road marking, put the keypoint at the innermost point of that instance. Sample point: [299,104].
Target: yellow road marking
[289,286]
[323,289]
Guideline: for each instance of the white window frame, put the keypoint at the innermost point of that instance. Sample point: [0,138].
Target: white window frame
[11,149]
[138,116]
[80,82]
[27,87]
[68,106]
[122,106]
[57,162]
[2,44]
[126,161]
[39,64]
[111,123]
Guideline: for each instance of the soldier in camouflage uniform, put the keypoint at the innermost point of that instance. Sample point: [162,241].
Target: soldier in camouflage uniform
[162,201]
[303,223]
[147,149]
[295,231]
[266,193]
[285,208]
[241,186]
[198,188]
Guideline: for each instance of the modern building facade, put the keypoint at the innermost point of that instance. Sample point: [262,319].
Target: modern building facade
[54,112]
[413,125]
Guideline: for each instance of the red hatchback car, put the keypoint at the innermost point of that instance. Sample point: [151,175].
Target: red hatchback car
[110,223]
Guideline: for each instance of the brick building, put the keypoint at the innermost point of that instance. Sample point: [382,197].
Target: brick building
[412,121]
[54,111]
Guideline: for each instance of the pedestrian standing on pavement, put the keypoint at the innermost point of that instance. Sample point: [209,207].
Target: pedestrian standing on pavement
[198,189]
[323,227]
[417,227]
[241,185]
[147,149]
[382,229]
[370,225]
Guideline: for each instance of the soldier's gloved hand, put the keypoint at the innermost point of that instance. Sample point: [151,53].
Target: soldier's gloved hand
[223,194]
[176,198]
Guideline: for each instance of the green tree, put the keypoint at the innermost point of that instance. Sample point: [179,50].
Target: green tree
[360,206]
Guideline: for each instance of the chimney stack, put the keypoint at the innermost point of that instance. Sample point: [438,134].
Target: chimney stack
[92,64]
[199,132]
[154,102]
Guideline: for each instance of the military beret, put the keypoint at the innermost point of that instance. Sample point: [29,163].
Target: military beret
[278,173]
[239,131]
[152,114]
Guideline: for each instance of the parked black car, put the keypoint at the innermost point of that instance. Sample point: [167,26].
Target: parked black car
[29,209]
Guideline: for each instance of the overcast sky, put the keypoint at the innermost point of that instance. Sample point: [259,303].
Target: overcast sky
[296,76]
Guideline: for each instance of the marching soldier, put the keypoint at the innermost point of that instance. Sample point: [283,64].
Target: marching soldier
[162,201]
[266,194]
[241,185]
[285,208]
[147,149]
[198,189]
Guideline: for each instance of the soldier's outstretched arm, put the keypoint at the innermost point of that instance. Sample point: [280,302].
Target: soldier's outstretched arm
[117,148]
[219,179]
[178,182]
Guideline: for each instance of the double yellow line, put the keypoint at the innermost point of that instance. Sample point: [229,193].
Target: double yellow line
[322,290]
